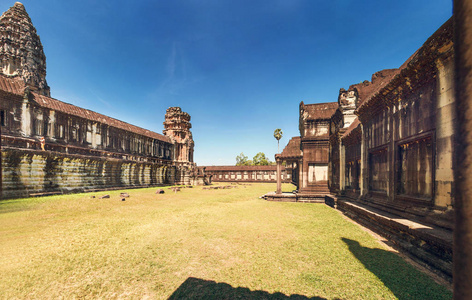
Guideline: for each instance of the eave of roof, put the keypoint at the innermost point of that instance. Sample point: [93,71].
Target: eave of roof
[292,150]
[354,126]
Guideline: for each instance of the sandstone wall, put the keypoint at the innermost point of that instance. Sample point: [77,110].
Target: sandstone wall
[28,171]
[245,173]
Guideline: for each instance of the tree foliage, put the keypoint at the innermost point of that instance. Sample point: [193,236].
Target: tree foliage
[278,135]
[242,160]
[260,159]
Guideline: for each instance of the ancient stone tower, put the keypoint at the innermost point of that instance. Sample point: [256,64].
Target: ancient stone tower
[347,101]
[177,128]
[21,51]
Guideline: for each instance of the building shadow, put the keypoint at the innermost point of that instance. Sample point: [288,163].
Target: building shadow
[196,288]
[403,280]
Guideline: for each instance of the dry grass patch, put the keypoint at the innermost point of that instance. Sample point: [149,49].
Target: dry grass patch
[194,243]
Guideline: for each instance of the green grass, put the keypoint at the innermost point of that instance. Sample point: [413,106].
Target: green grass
[195,243]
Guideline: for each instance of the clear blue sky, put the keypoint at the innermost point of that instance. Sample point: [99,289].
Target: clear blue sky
[239,68]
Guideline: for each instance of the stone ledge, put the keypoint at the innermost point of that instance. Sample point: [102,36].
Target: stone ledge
[295,197]
[428,245]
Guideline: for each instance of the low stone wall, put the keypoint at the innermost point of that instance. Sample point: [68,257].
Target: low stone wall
[245,173]
[29,171]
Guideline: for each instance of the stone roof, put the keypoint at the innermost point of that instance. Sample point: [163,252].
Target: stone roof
[368,88]
[13,85]
[319,111]
[353,131]
[16,86]
[292,150]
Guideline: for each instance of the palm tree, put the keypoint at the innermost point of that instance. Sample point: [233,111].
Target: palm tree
[278,135]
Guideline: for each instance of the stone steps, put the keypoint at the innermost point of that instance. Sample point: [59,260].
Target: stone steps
[429,245]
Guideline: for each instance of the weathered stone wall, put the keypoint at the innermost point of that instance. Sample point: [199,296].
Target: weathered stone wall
[245,173]
[446,126]
[51,146]
[405,138]
[27,171]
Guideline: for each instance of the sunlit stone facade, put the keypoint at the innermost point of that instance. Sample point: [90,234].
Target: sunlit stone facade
[49,146]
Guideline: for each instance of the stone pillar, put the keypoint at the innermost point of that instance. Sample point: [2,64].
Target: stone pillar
[279,175]
[462,271]
[26,116]
[342,166]
[445,130]
[391,129]
[362,173]
[51,124]
[300,175]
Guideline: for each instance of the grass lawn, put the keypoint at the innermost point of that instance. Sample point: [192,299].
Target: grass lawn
[204,244]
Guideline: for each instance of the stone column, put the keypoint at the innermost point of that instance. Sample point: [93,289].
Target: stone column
[300,175]
[342,166]
[362,165]
[26,129]
[391,153]
[279,175]
[462,275]
[445,131]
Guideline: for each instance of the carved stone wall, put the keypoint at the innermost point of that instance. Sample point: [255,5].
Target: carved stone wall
[392,169]
[21,51]
[347,101]
[49,145]
[314,125]
[177,127]
[27,172]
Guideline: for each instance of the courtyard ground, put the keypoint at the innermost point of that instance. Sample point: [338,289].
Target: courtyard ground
[196,243]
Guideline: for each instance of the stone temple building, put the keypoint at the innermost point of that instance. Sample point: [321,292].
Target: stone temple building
[49,146]
[387,148]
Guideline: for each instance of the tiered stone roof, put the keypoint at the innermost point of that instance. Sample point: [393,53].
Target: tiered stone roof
[379,79]
[21,51]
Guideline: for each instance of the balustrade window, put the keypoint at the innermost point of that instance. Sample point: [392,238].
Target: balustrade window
[74,133]
[39,124]
[60,131]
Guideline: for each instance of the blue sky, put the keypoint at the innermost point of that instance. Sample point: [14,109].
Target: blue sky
[239,68]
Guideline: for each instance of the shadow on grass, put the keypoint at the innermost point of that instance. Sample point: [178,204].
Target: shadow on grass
[403,280]
[195,288]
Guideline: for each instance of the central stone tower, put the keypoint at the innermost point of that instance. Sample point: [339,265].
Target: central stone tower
[21,51]
[177,128]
